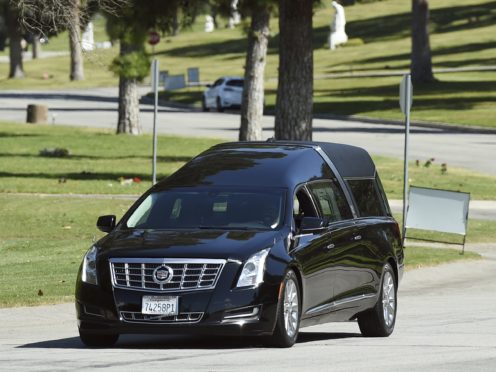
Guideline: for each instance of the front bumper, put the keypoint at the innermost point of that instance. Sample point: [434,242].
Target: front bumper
[224,310]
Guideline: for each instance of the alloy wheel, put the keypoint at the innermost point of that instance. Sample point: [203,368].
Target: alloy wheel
[291,308]
[388,298]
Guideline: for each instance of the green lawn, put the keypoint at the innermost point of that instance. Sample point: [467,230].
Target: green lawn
[461,36]
[417,257]
[42,243]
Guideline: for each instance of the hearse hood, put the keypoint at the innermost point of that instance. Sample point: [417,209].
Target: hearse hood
[218,244]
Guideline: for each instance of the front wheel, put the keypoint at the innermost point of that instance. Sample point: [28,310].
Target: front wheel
[288,314]
[96,340]
[379,321]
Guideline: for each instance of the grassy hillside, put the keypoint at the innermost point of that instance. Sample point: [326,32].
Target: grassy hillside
[461,36]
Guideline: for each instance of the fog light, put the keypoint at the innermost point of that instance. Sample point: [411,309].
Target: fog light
[251,312]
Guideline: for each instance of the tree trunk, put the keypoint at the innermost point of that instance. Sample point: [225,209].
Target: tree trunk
[421,67]
[15,47]
[36,47]
[295,86]
[128,121]
[253,90]
[77,70]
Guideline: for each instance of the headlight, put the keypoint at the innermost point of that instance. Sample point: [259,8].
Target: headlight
[88,274]
[253,270]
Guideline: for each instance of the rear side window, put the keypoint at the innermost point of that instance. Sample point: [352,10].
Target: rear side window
[367,196]
[331,201]
[235,83]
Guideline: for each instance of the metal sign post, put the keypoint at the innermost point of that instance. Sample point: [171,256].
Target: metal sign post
[155,83]
[406,99]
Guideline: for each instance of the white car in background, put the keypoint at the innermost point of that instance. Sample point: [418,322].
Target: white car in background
[226,92]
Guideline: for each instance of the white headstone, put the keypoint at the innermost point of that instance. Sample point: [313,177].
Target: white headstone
[88,40]
[235,17]
[338,35]
[209,23]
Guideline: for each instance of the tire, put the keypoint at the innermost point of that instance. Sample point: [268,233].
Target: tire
[95,340]
[288,313]
[204,105]
[220,108]
[379,321]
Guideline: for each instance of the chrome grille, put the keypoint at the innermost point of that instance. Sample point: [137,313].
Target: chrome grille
[129,316]
[187,274]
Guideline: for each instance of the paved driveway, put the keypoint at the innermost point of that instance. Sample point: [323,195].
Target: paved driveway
[446,322]
[97,108]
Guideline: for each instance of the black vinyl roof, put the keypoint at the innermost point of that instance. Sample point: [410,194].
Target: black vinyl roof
[350,161]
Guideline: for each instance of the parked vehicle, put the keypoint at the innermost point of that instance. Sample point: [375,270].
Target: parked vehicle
[226,92]
[255,238]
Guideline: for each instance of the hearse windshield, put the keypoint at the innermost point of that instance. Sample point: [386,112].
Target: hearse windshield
[231,209]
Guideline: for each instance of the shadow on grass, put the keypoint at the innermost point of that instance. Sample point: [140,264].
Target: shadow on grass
[465,48]
[17,135]
[185,342]
[439,87]
[361,106]
[235,46]
[81,176]
[162,159]
[396,26]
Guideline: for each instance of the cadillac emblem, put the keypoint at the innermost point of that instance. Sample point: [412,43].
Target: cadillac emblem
[162,274]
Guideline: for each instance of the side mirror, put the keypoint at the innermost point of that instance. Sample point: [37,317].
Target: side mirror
[311,224]
[106,223]
[209,85]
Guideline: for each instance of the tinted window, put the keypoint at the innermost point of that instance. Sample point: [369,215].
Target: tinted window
[302,207]
[331,201]
[218,82]
[367,197]
[223,209]
[235,83]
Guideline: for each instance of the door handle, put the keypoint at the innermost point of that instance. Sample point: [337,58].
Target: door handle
[330,246]
[357,237]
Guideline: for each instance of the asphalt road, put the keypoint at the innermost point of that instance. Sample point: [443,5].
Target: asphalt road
[446,322]
[97,108]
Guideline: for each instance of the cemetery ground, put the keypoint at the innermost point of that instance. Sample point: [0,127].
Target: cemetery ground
[349,81]
[51,204]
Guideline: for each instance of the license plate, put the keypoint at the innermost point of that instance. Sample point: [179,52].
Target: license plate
[160,305]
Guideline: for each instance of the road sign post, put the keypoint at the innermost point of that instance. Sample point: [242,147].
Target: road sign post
[406,99]
[155,83]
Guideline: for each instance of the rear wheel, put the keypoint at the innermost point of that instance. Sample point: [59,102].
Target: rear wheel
[95,340]
[379,321]
[220,108]
[288,314]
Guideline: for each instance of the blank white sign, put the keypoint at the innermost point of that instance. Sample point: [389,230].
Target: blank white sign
[437,210]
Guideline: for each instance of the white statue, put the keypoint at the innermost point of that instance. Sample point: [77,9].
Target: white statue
[88,40]
[209,23]
[235,17]
[338,35]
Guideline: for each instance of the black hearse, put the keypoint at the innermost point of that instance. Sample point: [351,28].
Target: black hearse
[258,239]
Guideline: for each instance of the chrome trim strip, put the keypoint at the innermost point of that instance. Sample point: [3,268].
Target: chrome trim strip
[168,260]
[151,321]
[338,177]
[253,313]
[333,304]
[183,261]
